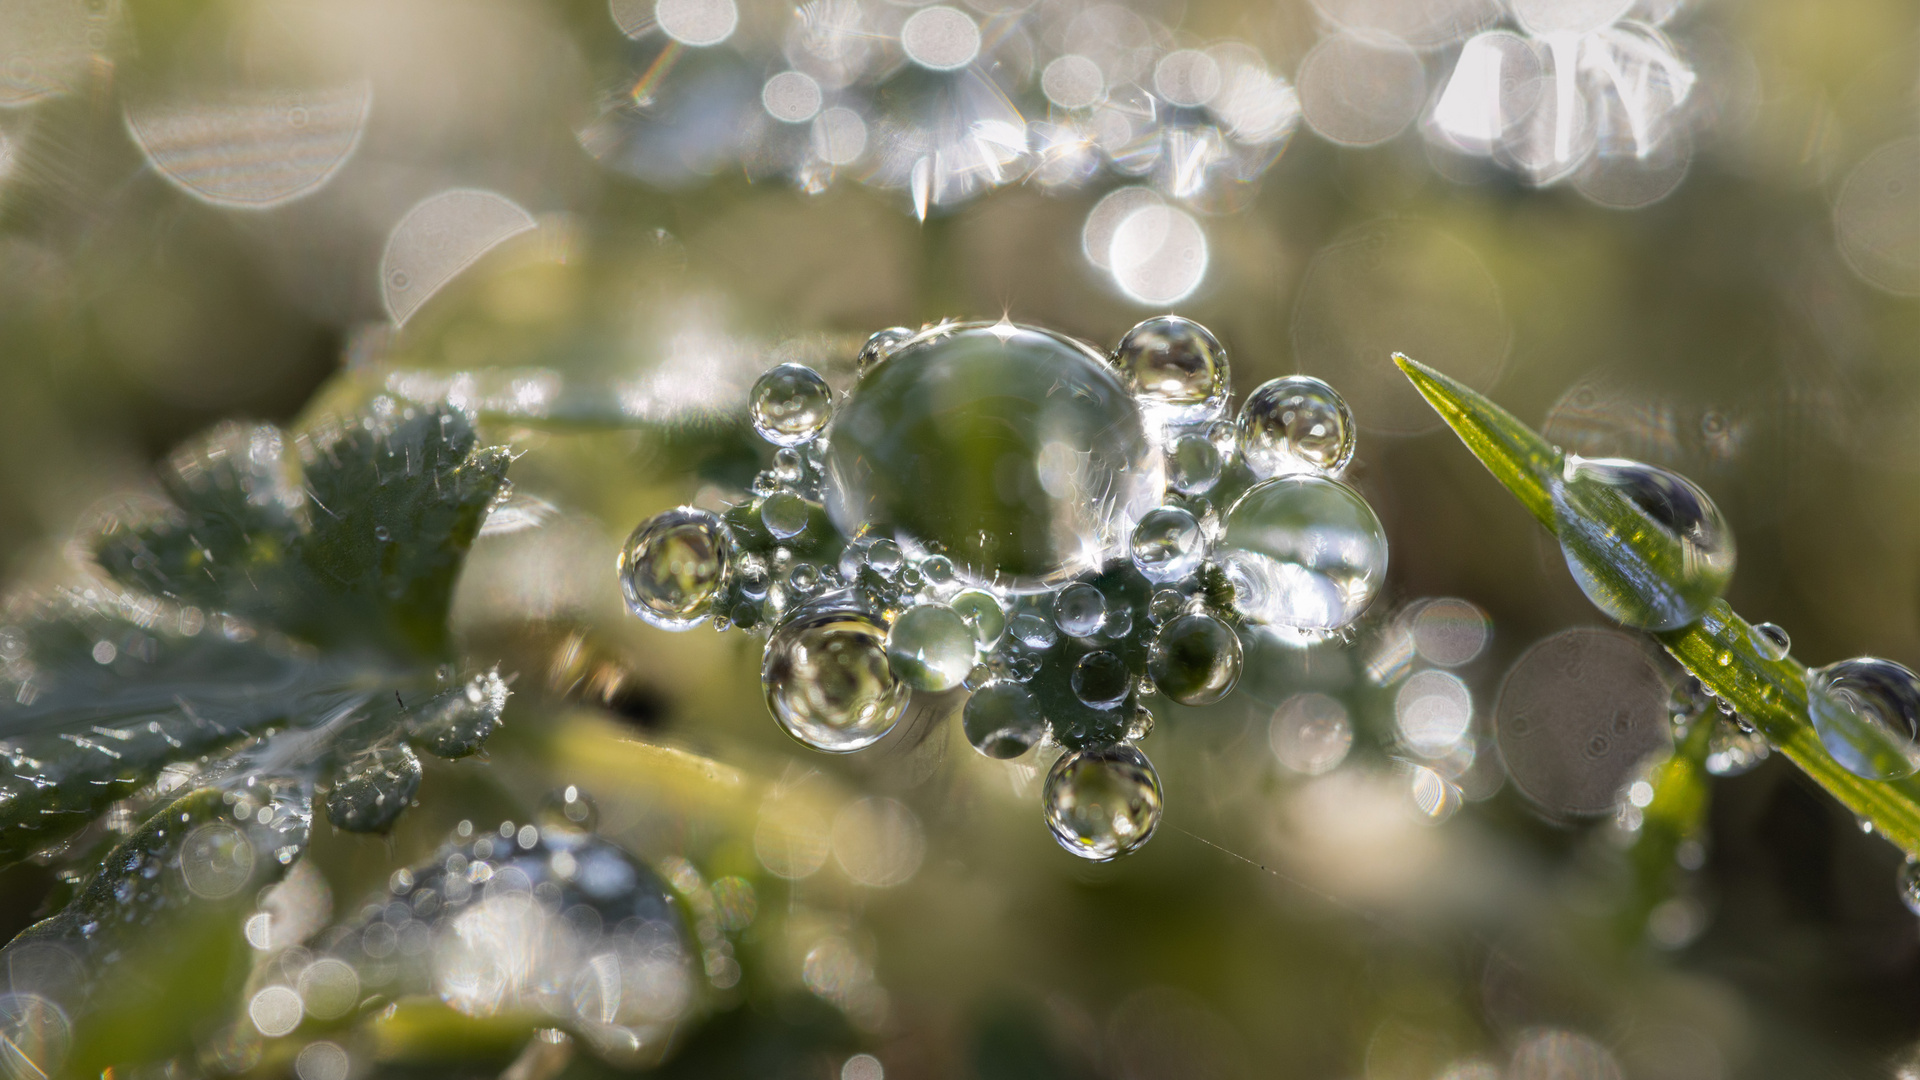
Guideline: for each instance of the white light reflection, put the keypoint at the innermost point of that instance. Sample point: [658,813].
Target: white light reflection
[1433,710]
[1876,218]
[1450,632]
[441,236]
[1310,733]
[1360,91]
[1158,255]
[791,97]
[940,38]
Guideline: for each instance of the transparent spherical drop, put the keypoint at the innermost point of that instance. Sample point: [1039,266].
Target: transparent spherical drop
[1168,544]
[983,613]
[828,682]
[1673,556]
[1193,464]
[1303,551]
[1295,424]
[1867,713]
[930,647]
[1195,659]
[1033,631]
[791,405]
[673,565]
[1175,367]
[1016,451]
[1771,641]
[784,514]
[1101,680]
[1003,720]
[881,345]
[570,808]
[885,558]
[1908,882]
[1102,803]
[1079,610]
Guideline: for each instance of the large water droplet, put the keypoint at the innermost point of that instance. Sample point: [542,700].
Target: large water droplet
[791,405]
[1303,551]
[1295,424]
[1002,720]
[1168,544]
[784,514]
[1195,660]
[1016,450]
[1867,712]
[930,647]
[1771,641]
[983,613]
[828,682]
[1675,557]
[1102,803]
[1101,680]
[1079,609]
[673,565]
[1176,368]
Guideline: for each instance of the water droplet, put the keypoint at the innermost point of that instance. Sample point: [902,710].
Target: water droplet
[1168,544]
[1175,368]
[673,565]
[1142,724]
[983,613]
[1102,803]
[1003,720]
[1166,604]
[881,345]
[937,570]
[1195,660]
[1038,454]
[1079,609]
[1293,425]
[791,405]
[1771,641]
[784,514]
[930,647]
[788,465]
[828,682]
[1033,631]
[1867,712]
[1908,882]
[1193,464]
[372,789]
[382,533]
[1303,551]
[570,808]
[1101,680]
[1677,558]
[885,558]
[1731,750]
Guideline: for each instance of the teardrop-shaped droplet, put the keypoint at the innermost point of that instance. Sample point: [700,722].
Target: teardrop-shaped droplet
[791,405]
[983,613]
[373,788]
[1295,424]
[930,647]
[1771,641]
[1195,659]
[1867,713]
[1176,368]
[828,682]
[1102,803]
[1193,464]
[1003,720]
[1079,610]
[673,565]
[1660,570]
[1101,680]
[1303,551]
[1168,544]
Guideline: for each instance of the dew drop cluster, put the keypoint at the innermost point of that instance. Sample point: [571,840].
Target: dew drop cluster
[1043,537]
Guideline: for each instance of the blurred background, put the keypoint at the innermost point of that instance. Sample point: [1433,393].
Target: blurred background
[1684,232]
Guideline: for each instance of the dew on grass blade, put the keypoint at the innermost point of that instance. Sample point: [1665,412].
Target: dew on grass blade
[1646,545]
[1867,713]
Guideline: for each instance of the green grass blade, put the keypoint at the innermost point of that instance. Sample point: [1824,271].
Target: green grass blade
[1719,649]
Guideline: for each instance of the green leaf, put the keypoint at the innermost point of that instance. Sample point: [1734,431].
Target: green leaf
[1719,649]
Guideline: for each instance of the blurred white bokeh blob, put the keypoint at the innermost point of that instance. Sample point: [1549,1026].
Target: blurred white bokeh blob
[1433,710]
[1876,218]
[1073,81]
[1543,17]
[1158,254]
[441,236]
[1496,82]
[46,46]
[941,38]
[689,22]
[276,1010]
[1423,24]
[1310,733]
[1188,78]
[792,97]
[252,152]
[878,842]
[839,136]
[1096,236]
[322,1061]
[1359,91]
[1450,632]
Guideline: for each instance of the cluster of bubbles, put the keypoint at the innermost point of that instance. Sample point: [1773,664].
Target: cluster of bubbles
[1005,513]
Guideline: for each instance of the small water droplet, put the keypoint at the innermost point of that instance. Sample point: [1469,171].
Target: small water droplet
[1193,464]
[1677,560]
[828,682]
[1725,658]
[1102,803]
[791,405]
[787,466]
[1033,631]
[1142,725]
[937,570]
[983,613]
[1166,604]
[784,514]
[1101,680]
[1771,641]
[1195,659]
[930,647]
[1295,424]
[1303,551]
[1175,367]
[1003,720]
[1168,544]
[1867,713]
[1079,609]
[673,565]
[880,346]
[885,558]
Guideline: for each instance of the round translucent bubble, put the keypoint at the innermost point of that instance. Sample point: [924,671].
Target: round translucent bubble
[1003,720]
[1771,641]
[941,38]
[322,1061]
[1303,551]
[1101,680]
[1907,881]
[1168,544]
[1359,91]
[695,22]
[673,565]
[1577,716]
[1195,659]
[828,682]
[791,405]
[1187,78]
[330,988]
[276,1010]
[1101,804]
[1310,733]
[1176,368]
[1158,254]
[35,1032]
[1295,424]
[1193,464]
[216,860]
[1450,632]
[253,153]
[1433,711]
[1033,631]
[784,514]
[1073,81]
[839,136]
[1038,454]
[791,97]
[1681,556]
[1079,610]
[930,647]
[440,237]
[1867,713]
[982,612]
[1876,218]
